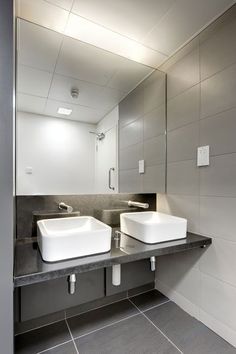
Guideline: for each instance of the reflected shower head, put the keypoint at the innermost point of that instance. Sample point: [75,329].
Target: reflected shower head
[100,136]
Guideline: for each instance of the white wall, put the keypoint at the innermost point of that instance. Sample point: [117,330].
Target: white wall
[107,153]
[61,153]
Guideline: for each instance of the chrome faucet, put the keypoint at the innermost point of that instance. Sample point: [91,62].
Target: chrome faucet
[138,205]
[63,206]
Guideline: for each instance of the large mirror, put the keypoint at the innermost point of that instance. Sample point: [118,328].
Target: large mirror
[88,120]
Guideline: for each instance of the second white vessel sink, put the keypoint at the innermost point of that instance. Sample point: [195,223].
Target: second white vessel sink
[72,237]
[153,227]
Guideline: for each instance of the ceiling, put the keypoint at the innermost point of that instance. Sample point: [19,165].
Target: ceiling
[50,64]
[102,47]
[147,31]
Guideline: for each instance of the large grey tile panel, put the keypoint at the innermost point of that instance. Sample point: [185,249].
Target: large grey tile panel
[130,156]
[218,92]
[155,150]
[154,179]
[154,123]
[149,299]
[217,217]
[184,108]
[67,348]
[183,74]
[132,336]
[221,306]
[132,107]
[219,261]
[219,179]
[182,143]
[218,131]
[130,181]
[218,50]
[154,90]
[101,317]
[186,206]
[183,178]
[190,335]
[131,134]
[42,338]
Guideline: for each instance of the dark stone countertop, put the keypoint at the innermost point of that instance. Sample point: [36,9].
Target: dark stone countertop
[29,267]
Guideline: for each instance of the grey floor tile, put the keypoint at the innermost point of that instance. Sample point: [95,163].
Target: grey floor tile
[67,348]
[101,317]
[190,335]
[135,335]
[147,300]
[42,338]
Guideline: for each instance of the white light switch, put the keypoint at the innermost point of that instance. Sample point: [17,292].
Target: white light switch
[29,170]
[203,153]
[141,166]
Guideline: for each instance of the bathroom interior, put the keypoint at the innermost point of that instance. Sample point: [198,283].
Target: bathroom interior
[117,177]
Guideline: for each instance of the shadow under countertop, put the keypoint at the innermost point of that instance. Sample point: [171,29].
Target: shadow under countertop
[29,268]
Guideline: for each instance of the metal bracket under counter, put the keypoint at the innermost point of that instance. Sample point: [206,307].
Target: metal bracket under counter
[30,268]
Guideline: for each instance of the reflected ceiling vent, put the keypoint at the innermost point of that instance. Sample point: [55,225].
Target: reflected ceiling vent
[74,93]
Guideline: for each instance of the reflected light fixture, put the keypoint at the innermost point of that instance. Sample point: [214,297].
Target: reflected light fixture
[64,111]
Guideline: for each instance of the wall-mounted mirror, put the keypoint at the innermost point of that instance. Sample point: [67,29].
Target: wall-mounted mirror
[88,120]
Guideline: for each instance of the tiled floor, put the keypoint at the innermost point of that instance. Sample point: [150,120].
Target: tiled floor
[144,324]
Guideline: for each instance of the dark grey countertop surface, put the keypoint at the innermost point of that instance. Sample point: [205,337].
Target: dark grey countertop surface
[29,267]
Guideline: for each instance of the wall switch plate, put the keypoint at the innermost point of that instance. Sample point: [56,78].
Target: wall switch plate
[141,168]
[203,153]
[29,170]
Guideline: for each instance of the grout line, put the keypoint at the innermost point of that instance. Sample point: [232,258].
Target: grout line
[35,328]
[55,346]
[142,292]
[76,349]
[153,307]
[164,335]
[108,325]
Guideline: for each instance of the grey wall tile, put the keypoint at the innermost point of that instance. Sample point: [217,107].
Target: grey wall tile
[183,178]
[220,178]
[154,179]
[219,261]
[155,122]
[154,90]
[130,181]
[184,108]
[129,157]
[182,143]
[219,49]
[131,134]
[218,92]
[217,217]
[155,150]
[183,74]
[132,107]
[186,206]
[222,305]
[218,131]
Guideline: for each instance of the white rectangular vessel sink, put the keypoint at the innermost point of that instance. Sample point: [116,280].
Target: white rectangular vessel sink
[72,237]
[153,227]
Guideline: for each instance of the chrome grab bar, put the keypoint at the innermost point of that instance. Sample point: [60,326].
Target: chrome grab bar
[109,178]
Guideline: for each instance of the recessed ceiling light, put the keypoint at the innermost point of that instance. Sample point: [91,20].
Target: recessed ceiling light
[64,111]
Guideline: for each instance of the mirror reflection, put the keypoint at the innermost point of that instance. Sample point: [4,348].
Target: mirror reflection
[74,100]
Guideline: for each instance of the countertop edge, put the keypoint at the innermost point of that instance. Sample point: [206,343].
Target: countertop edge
[28,279]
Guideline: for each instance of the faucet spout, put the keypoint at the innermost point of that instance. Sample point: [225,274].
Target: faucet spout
[138,205]
[63,206]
